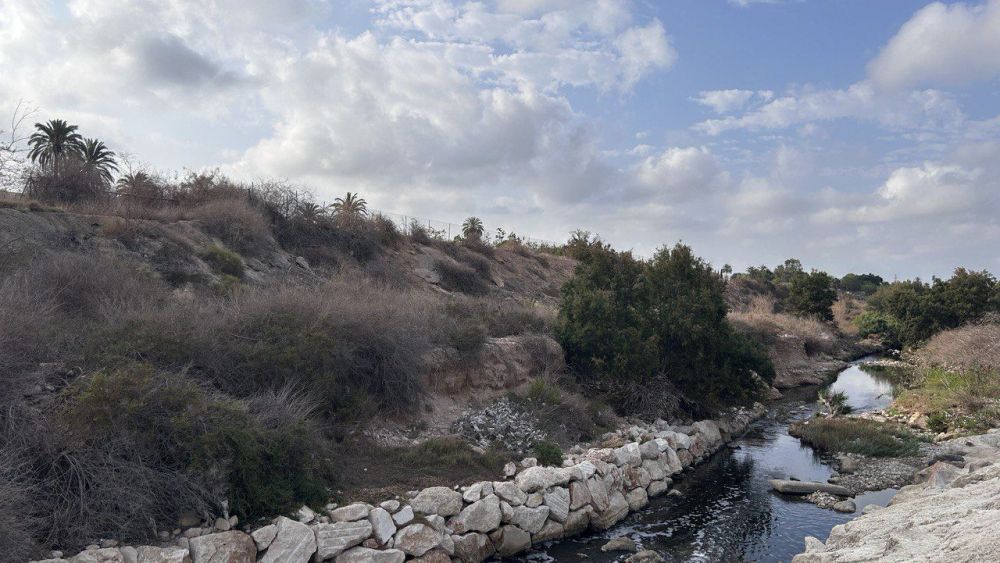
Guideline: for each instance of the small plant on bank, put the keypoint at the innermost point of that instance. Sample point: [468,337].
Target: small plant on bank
[548,453]
[857,436]
[544,391]
[834,403]
[224,261]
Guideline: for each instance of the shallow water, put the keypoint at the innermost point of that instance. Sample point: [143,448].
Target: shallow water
[728,511]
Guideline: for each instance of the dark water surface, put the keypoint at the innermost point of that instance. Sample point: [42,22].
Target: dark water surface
[728,511]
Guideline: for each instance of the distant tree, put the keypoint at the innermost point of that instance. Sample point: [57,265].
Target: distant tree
[785,273]
[98,159]
[473,228]
[53,143]
[351,205]
[309,211]
[760,273]
[726,271]
[139,184]
[862,284]
[811,295]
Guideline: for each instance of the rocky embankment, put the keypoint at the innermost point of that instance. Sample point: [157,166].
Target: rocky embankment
[951,513]
[595,489]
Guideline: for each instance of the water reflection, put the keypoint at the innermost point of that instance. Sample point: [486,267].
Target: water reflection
[728,511]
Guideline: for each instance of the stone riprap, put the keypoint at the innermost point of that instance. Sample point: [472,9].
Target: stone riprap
[594,489]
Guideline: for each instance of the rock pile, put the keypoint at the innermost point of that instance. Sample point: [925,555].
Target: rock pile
[594,489]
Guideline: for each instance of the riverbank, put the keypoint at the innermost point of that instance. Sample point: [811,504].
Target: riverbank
[594,489]
[950,514]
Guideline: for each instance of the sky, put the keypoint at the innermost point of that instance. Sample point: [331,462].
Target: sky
[854,135]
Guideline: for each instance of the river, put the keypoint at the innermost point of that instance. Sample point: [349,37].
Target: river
[728,511]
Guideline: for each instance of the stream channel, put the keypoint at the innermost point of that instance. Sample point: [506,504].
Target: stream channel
[728,511]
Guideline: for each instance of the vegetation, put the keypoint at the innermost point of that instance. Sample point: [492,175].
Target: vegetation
[548,454]
[473,229]
[860,284]
[857,436]
[635,330]
[910,312]
[834,403]
[811,295]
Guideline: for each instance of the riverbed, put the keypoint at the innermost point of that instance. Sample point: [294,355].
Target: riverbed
[727,511]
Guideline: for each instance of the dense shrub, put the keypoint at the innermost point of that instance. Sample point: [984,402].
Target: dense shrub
[18,514]
[631,327]
[326,239]
[548,453]
[459,277]
[811,295]
[235,222]
[917,310]
[860,284]
[858,436]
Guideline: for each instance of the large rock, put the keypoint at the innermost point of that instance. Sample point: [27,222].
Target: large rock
[617,509]
[480,516]
[417,539]
[628,455]
[349,513]
[334,539]
[510,540]
[540,478]
[404,516]
[654,468]
[710,431]
[808,487]
[226,547]
[673,462]
[151,554]
[550,531]
[510,492]
[637,499]
[649,450]
[473,548]
[105,555]
[383,527]
[657,488]
[598,493]
[437,500]
[366,555]
[294,542]
[579,494]
[264,535]
[557,499]
[577,521]
[530,520]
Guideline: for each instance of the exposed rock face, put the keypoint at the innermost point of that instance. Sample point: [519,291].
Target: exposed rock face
[539,478]
[264,536]
[225,547]
[382,525]
[294,542]
[366,555]
[953,516]
[472,548]
[510,540]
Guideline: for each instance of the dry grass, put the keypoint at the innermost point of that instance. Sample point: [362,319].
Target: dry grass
[845,309]
[964,348]
[759,319]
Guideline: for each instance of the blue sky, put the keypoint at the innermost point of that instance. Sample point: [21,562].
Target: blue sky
[855,135]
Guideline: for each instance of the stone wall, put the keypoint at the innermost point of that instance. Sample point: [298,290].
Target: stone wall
[594,490]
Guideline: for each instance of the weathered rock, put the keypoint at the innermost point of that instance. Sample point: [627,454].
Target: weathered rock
[100,555]
[637,499]
[847,464]
[481,516]
[579,494]
[474,492]
[657,488]
[628,455]
[383,527]
[510,492]
[131,554]
[510,469]
[510,540]
[871,508]
[433,556]
[654,468]
[645,556]
[620,543]
[305,514]
[552,530]
[225,547]
[263,536]
[334,539]
[417,539]
[807,487]
[349,513]
[530,520]
[404,516]
[437,500]
[578,520]
[710,431]
[473,548]
[581,471]
[294,542]
[557,499]
[685,458]
[847,506]
[366,555]
[649,450]
[535,500]
[598,493]
[540,478]
[151,554]
[617,509]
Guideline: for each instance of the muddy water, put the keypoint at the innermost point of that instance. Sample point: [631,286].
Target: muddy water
[728,511]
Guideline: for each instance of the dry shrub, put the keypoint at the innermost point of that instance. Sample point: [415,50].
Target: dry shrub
[235,222]
[845,309]
[459,277]
[967,347]
[18,513]
[327,240]
[758,319]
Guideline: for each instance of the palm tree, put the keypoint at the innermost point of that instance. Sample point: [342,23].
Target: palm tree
[98,158]
[473,228]
[350,205]
[309,211]
[52,142]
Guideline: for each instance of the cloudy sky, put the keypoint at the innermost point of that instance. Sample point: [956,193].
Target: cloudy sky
[855,135]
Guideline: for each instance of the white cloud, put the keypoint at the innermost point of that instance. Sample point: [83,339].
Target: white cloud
[942,44]
[728,101]
[681,173]
[932,190]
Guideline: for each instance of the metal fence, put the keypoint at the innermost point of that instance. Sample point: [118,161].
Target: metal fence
[448,231]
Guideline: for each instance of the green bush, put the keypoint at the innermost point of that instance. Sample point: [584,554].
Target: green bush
[872,323]
[631,327]
[811,295]
[223,260]
[548,453]
[545,391]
